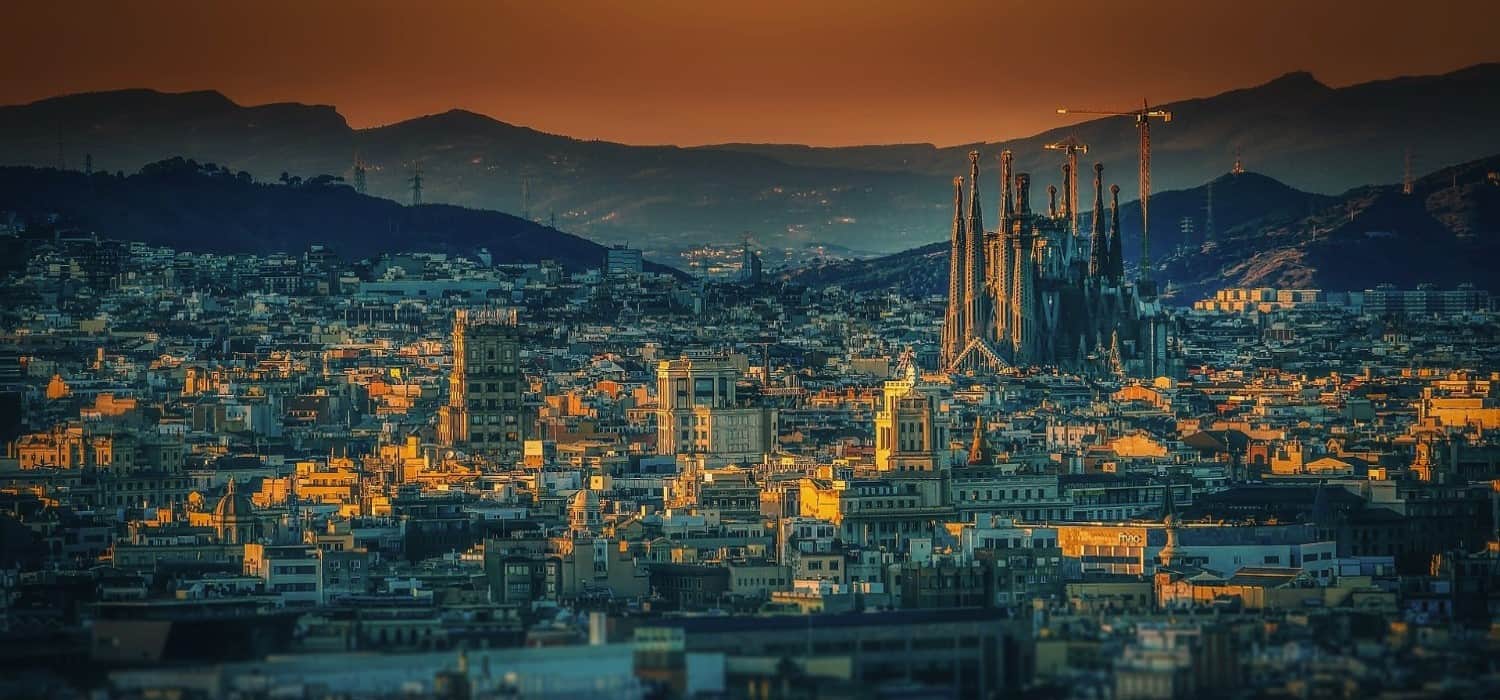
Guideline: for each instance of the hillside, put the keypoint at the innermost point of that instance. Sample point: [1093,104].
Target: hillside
[205,208]
[1268,234]
[1445,233]
[666,199]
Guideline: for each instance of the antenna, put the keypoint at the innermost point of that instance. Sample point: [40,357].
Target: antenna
[1406,173]
[1239,165]
[359,174]
[416,187]
[1208,207]
[526,197]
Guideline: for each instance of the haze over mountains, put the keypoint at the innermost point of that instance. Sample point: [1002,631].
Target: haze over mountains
[874,198]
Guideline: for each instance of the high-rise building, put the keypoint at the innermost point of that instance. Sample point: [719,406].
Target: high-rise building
[484,412]
[699,412]
[623,261]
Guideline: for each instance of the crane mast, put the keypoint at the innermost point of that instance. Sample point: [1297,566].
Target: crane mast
[1143,117]
[1072,147]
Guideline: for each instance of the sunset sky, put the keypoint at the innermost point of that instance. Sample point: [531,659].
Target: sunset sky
[833,73]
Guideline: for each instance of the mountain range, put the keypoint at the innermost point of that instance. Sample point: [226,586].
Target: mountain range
[666,199]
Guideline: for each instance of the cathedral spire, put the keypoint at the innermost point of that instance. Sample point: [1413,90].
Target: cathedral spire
[1168,555]
[979,449]
[1067,194]
[1007,205]
[953,332]
[1098,245]
[974,256]
[1116,251]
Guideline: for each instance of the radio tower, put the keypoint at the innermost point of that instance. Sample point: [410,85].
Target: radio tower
[1406,173]
[1208,212]
[526,197]
[359,174]
[1239,166]
[416,187]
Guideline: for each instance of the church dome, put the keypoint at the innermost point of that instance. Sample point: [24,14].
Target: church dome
[584,510]
[233,505]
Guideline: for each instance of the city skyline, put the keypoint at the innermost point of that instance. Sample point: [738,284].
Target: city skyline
[1198,399]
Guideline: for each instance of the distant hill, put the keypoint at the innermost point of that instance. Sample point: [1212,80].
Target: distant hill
[1446,232]
[1269,234]
[868,198]
[206,208]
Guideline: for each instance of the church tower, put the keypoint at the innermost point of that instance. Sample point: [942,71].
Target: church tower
[1098,245]
[953,333]
[1022,252]
[974,257]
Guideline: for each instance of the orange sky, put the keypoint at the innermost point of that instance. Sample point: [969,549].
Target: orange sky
[658,71]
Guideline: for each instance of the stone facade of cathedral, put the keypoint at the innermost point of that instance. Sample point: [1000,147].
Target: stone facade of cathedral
[1035,292]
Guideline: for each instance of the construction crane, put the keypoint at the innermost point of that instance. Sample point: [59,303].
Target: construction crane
[1143,117]
[1071,147]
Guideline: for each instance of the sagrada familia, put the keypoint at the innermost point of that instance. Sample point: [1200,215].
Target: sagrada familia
[1035,292]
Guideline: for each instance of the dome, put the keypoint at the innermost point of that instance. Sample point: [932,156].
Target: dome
[233,505]
[584,500]
[584,510]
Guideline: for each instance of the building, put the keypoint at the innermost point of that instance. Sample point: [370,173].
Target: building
[698,411]
[484,412]
[1034,292]
[911,427]
[623,261]
[976,652]
[1425,300]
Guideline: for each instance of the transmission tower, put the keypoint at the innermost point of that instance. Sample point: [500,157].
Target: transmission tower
[1406,187]
[360,185]
[1208,213]
[526,197]
[416,186]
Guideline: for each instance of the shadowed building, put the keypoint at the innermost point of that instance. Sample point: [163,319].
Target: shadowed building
[484,391]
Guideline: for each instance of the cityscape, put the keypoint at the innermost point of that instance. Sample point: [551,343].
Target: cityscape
[304,404]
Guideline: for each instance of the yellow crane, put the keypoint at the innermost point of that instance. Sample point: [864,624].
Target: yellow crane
[1071,147]
[1143,117]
